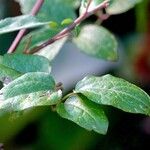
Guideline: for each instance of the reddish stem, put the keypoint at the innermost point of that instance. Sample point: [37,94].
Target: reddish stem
[71,27]
[21,33]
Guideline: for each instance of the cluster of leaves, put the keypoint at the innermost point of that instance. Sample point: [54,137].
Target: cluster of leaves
[27,79]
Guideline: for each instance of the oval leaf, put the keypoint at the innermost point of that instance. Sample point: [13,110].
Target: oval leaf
[26,63]
[98,42]
[66,21]
[109,90]
[53,24]
[20,22]
[24,101]
[29,83]
[84,113]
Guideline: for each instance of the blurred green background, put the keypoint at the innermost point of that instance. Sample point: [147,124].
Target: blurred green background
[40,128]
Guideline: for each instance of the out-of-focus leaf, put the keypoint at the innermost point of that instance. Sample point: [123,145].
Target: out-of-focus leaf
[115,7]
[54,10]
[109,90]
[53,24]
[98,42]
[66,21]
[51,51]
[20,22]
[26,63]
[39,36]
[84,113]
[121,6]
[12,123]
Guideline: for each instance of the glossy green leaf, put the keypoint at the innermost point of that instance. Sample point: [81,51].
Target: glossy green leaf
[52,10]
[84,113]
[26,63]
[98,42]
[20,22]
[109,90]
[29,83]
[24,101]
[39,36]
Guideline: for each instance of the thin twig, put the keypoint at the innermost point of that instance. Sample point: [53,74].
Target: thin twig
[88,5]
[70,27]
[21,33]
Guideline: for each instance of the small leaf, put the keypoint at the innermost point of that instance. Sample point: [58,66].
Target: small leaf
[76,31]
[109,90]
[98,42]
[53,24]
[20,22]
[66,21]
[26,63]
[29,83]
[24,101]
[84,113]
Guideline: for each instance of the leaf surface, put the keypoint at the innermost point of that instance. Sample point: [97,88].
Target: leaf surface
[98,42]
[115,7]
[109,90]
[84,113]
[39,36]
[26,63]
[24,101]
[6,72]
[20,22]
[51,10]
[29,83]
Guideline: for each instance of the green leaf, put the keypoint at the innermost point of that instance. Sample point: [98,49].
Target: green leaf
[66,21]
[109,90]
[121,6]
[98,42]
[84,113]
[115,7]
[39,36]
[53,24]
[35,38]
[24,101]
[20,22]
[26,63]
[54,10]
[29,83]
[51,51]
[6,72]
